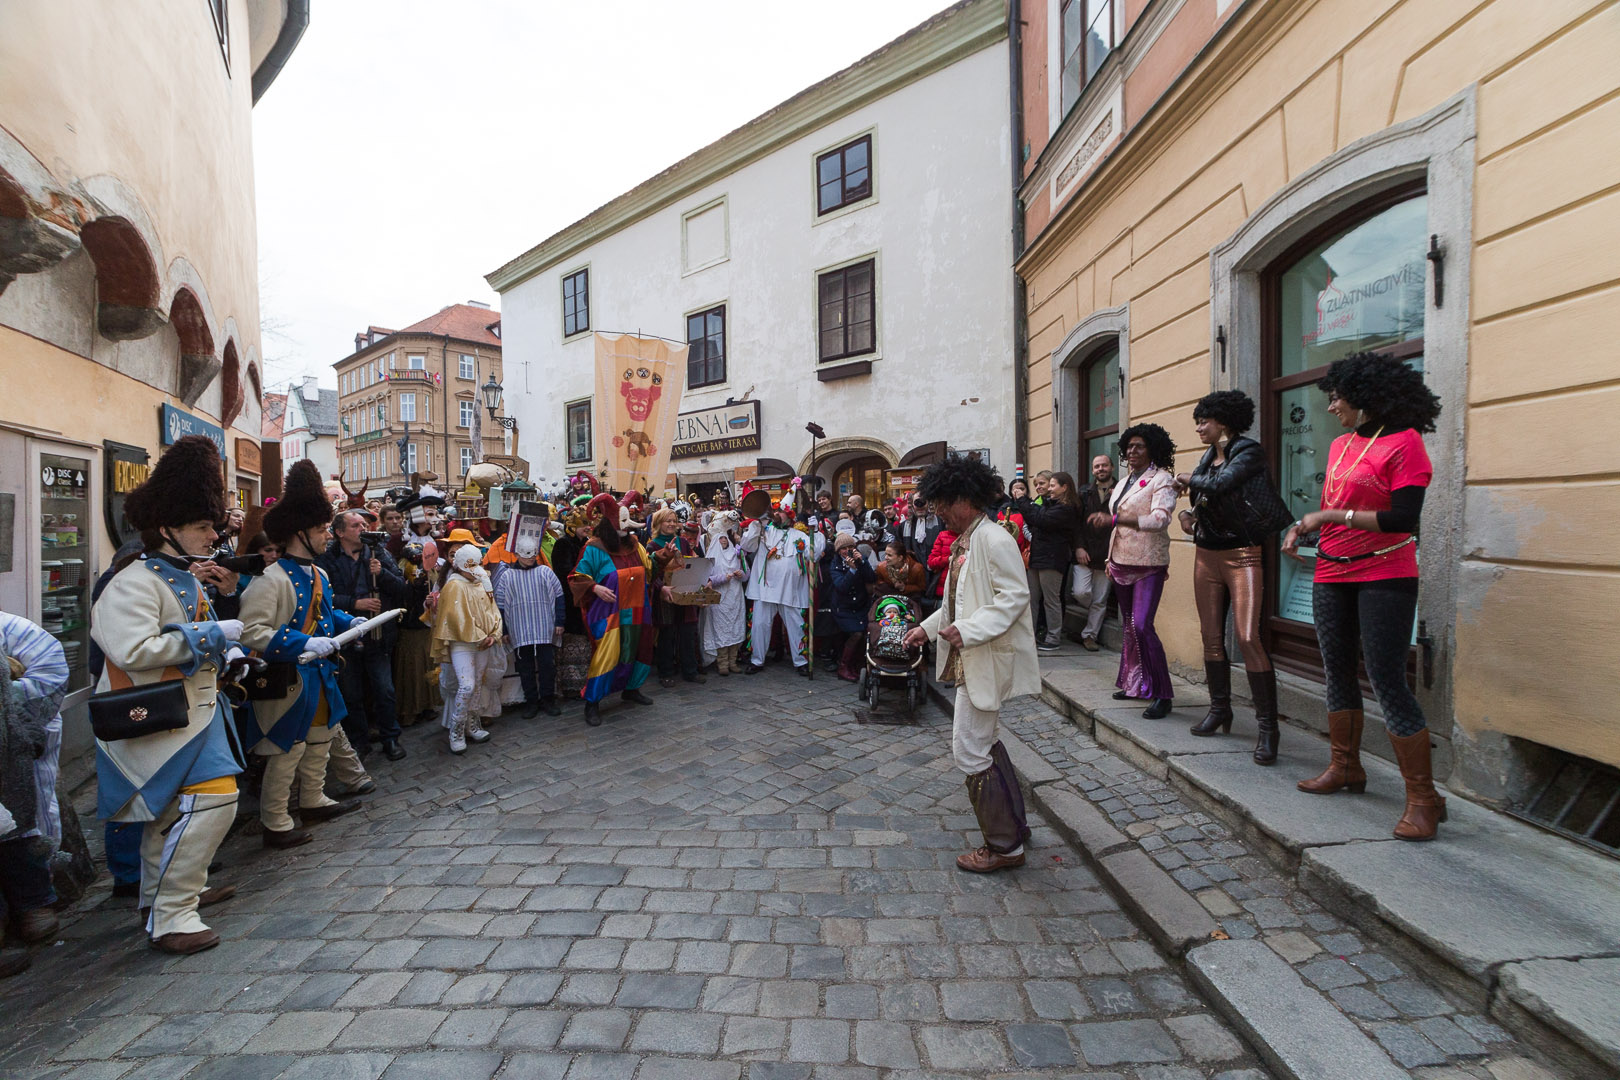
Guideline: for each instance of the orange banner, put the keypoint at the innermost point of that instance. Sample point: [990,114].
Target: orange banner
[638,394]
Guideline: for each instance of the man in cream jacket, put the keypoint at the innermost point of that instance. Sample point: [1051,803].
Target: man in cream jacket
[986,647]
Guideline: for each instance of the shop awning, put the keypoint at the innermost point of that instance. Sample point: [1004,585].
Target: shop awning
[926,454]
[769,468]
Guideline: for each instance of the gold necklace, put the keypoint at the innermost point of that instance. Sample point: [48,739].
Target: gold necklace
[1336,475]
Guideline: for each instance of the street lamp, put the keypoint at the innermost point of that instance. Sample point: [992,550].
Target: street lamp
[492,401]
[816,432]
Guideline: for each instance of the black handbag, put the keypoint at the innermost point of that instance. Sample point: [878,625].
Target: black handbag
[1264,512]
[276,681]
[140,710]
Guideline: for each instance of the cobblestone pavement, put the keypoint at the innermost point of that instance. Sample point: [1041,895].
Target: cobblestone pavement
[1422,1028]
[743,882]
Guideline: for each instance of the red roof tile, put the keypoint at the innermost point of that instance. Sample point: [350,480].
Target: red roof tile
[461,321]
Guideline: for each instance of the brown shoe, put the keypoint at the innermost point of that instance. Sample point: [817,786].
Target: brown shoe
[985,861]
[186,944]
[1425,809]
[37,924]
[1344,771]
[286,838]
[1090,644]
[215,896]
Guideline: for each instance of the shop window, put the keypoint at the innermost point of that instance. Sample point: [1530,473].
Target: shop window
[706,348]
[1099,407]
[1088,38]
[578,425]
[848,311]
[576,302]
[844,175]
[1357,284]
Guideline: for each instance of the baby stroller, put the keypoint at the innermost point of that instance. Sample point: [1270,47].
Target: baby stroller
[887,655]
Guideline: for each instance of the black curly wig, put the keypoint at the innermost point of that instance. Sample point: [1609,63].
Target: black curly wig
[1391,392]
[1161,449]
[1232,409]
[960,478]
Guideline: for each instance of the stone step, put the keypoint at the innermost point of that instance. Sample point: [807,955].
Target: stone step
[1298,1032]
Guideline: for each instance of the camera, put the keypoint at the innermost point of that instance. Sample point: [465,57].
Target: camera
[374,538]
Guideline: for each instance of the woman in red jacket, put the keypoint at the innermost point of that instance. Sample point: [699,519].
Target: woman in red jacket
[940,558]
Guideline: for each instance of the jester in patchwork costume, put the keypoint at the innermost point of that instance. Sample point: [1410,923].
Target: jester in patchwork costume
[611,585]
[288,611]
[155,624]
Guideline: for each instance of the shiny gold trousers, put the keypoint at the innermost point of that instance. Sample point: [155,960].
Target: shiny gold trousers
[1230,581]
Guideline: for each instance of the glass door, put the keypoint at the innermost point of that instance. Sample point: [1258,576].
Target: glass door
[67,526]
[1356,285]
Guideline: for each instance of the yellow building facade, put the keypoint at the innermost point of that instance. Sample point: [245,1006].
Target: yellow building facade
[129,309]
[1240,193]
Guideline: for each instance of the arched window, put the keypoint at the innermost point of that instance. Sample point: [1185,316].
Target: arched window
[1355,284]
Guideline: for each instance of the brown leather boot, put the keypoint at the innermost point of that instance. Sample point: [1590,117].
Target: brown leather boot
[186,944]
[1344,769]
[1425,809]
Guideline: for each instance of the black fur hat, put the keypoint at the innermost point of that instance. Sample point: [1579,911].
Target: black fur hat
[187,484]
[303,504]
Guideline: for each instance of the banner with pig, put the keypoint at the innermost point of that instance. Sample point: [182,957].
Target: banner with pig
[638,394]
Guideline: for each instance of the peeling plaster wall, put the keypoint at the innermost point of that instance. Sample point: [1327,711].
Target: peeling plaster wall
[939,225]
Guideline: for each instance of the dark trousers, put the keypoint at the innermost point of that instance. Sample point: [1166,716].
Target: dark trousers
[537,668]
[1373,618]
[677,648]
[367,683]
[25,877]
[123,845]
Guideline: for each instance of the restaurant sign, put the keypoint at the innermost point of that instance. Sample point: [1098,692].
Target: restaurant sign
[723,429]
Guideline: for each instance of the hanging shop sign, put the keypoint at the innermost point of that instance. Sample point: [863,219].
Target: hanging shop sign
[720,430]
[176,425]
[247,456]
[127,469]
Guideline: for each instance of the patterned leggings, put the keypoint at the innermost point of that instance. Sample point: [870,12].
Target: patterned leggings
[1378,616]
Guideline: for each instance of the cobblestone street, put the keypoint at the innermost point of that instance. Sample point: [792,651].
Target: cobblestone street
[743,881]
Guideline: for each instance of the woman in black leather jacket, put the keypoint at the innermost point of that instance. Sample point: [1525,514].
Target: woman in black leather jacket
[1228,570]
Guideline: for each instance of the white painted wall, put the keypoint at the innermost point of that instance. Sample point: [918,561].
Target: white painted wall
[939,223]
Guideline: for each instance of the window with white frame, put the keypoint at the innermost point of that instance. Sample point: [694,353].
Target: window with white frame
[466,459]
[416,362]
[410,458]
[407,407]
[465,370]
[467,408]
[578,425]
[1088,38]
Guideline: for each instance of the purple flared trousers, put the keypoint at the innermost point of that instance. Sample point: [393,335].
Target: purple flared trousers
[1143,670]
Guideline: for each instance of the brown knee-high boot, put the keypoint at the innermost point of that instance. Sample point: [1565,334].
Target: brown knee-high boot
[1425,809]
[1344,769]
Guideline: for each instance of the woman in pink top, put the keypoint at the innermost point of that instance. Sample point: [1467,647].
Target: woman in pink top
[1139,561]
[1366,583]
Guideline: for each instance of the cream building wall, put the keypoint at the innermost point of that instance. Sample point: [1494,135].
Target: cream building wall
[1289,87]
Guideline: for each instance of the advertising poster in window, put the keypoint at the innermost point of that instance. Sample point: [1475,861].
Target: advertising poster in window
[638,396]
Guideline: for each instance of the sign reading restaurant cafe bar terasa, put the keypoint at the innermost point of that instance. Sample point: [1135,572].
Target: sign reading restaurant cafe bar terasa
[722,429]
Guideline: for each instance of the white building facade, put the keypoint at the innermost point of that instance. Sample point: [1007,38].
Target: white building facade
[309,429]
[842,259]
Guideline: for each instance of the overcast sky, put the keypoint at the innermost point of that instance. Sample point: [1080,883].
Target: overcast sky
[409,147]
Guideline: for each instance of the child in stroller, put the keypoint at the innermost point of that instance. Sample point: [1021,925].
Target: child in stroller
[887,655]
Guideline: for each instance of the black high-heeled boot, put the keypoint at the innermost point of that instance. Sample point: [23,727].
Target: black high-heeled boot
[1218,673]
[1158,710]
[1263,686]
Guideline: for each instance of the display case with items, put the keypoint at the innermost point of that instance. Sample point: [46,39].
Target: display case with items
[64,519]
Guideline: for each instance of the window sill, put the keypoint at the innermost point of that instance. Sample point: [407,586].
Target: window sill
[819,218]
[585,333]
[844,370]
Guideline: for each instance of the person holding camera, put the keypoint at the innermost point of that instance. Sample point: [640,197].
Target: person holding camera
[366,581]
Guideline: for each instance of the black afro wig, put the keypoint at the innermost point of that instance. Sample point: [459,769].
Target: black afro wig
[1160,447]
[1232,409]
[960,478]
[1391,392]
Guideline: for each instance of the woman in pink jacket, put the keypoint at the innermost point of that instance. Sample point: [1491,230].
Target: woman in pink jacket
[1139,561]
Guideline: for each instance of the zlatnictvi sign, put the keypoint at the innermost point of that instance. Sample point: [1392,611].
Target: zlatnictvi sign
[720,430]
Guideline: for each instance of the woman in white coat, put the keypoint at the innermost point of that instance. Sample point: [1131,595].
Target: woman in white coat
[986,647]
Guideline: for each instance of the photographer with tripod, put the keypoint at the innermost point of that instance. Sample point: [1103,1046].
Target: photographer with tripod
[366,581]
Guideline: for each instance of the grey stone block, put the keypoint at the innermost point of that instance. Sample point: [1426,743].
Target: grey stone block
[1407,1046]
[1205,1037]
[357,1066]
[391,1027]
[1117,1042]
[752,1034]
[466,1065]
[298,1031]
[981,1001]
[603,1067]
[1040,1045]
[1295,1029]
[885,1045]
[660,991]
[536,1067]
[530,988]
[965,1049]
[662,1068]
[1576,998]
[1169,913]
[528,954]
[678,1033]
[852,1002]
[818,1041]
[909,1001]
[531,1029]
[590,989]
[596,1029]
[470,1027]
[1080,822]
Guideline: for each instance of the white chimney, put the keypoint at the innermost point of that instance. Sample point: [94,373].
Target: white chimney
[310,391]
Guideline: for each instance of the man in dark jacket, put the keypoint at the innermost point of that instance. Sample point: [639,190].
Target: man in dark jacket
[1091,585]
[366,581]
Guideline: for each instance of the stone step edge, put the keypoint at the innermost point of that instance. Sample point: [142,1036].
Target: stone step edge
[1543,1033]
